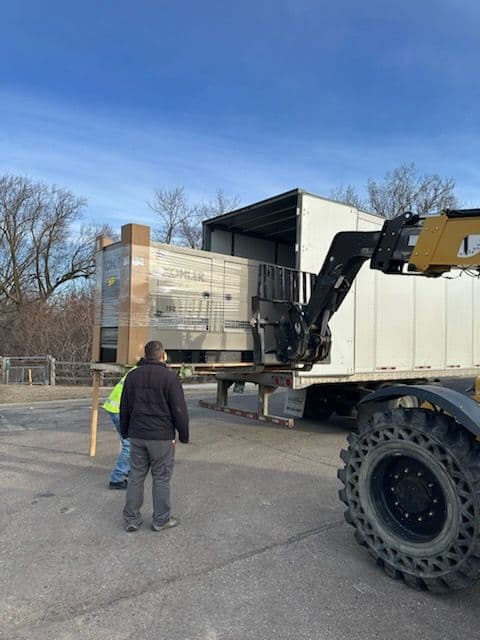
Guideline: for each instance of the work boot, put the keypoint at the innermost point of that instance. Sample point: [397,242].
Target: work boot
[118,485]
[169,524]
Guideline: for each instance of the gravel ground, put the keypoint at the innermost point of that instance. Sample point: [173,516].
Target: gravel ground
[16,393]
[262,551]
[24,394]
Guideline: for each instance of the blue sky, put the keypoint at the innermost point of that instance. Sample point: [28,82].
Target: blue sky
[113,98]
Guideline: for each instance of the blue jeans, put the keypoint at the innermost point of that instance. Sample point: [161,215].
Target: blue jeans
[122,466]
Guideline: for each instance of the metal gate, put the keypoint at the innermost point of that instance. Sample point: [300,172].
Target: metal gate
[39,370]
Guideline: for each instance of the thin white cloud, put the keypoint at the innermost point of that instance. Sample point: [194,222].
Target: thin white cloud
[116,160]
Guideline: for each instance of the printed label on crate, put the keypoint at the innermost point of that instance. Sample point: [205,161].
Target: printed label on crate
[111,260]
[136,261]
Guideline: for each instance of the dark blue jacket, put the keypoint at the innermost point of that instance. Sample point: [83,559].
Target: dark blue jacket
[153,405]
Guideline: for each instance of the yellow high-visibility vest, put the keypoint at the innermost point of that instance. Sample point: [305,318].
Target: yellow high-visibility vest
[112,404]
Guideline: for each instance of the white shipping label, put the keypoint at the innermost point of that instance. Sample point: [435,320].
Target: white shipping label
[136,261]
[295,403]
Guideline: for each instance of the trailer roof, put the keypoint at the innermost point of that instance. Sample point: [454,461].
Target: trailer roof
[274,218]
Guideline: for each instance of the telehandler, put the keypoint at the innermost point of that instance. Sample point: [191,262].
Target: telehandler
[411,474]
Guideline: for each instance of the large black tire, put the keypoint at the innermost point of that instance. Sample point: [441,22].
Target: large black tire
[412,489]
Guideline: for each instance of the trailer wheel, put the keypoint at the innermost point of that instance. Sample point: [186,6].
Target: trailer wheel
[412,489]
[366,411]
[317,405]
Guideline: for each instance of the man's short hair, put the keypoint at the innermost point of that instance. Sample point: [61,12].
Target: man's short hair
[154,350]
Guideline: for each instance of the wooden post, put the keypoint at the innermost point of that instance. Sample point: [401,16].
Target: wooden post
[51,370]
[94,414]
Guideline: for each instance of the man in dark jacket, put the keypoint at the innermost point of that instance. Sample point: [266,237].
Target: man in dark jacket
[152,408]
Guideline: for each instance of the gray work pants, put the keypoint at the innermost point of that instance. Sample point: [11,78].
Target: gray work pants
[159,456]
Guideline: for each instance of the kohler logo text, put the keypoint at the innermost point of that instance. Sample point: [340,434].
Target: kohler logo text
[183,274]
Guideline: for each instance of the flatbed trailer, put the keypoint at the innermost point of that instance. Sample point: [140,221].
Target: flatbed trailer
[270,379]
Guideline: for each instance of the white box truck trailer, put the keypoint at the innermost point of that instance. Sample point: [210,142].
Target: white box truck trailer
[389,328]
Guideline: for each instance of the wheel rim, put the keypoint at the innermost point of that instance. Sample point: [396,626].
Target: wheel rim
[451,559]
[408,497]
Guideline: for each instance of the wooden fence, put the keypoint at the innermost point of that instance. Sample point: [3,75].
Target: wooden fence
[79,373]
[45,370]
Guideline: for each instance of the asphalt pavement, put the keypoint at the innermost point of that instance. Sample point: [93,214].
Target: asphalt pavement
[262,551]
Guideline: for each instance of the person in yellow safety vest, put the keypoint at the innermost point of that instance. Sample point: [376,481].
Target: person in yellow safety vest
[118,477]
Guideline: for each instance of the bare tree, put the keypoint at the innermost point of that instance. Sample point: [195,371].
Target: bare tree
[40,251]
[60,326]
[191,231]
[222,203]
[181,220]
[348,195]
[404,189]
[19,206]
[191,228]
[68,334]
[173,209]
